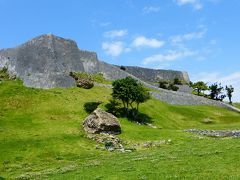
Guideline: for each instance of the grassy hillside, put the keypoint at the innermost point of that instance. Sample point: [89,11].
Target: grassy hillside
[41,136]
[237,105]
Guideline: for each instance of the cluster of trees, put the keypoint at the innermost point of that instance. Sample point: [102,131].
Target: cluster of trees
[216,90]
[130,93]
[170,85]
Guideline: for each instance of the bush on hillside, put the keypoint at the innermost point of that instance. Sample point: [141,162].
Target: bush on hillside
[83,80]
[199,87]
[168,85]
[176,81]
[4,75]
[230,91]
[123,68]
[131,93]
[163,84]
[216,91]
[173,87]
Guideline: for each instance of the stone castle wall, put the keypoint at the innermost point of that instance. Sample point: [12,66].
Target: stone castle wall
[154,75]
[45,62]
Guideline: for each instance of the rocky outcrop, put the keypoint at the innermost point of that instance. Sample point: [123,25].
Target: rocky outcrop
[44,62]
[101,122]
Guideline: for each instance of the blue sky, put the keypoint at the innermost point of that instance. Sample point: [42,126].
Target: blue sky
[198,36]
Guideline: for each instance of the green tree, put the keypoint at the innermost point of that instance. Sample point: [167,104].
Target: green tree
[216,91]
[199,86]
[177,81]
[173,87]
[163,84]
[130,93]
[229,90]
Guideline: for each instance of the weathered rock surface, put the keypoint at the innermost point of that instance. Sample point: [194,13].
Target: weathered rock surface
[101,121]
[154,75]
[216,133]
[43,62]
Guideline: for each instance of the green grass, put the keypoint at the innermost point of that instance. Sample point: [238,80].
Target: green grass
[41,136]
[98,77]
[237,105]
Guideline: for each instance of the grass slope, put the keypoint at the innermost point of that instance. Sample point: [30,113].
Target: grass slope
[237,105]
[41,137]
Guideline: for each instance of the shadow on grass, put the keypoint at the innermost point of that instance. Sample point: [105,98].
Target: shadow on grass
[132,115]
[89,107]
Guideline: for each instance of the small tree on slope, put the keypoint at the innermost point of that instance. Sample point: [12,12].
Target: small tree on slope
[229,90]
[131,93]
[199,86]
[216,91]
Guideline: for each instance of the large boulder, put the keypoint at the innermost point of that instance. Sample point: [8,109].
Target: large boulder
[102,121]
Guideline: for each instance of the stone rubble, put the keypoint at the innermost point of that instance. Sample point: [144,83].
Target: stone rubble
[216,133]
[112,143]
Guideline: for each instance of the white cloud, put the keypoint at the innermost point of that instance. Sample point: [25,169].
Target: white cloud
[150,9]
[230,79]
[213,42]
[170,56]
[114,48]
[188,36]
[115,33]
[105,24]
[142,41]
[195,3]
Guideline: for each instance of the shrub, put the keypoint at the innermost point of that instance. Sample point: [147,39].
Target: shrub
[83,80]
[123,68]
[216,91]
[229,90]
[199,87]
[163,84]
[4,75]
[176,81]
[168,85]
[173,87]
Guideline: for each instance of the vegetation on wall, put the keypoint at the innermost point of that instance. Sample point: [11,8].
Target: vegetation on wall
[4,75]
[169,85]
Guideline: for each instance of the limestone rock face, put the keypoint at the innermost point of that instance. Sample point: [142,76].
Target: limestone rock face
[44,61]
[101,121]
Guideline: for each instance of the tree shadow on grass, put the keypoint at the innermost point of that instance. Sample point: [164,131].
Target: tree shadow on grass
[89,107]
[132,115]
